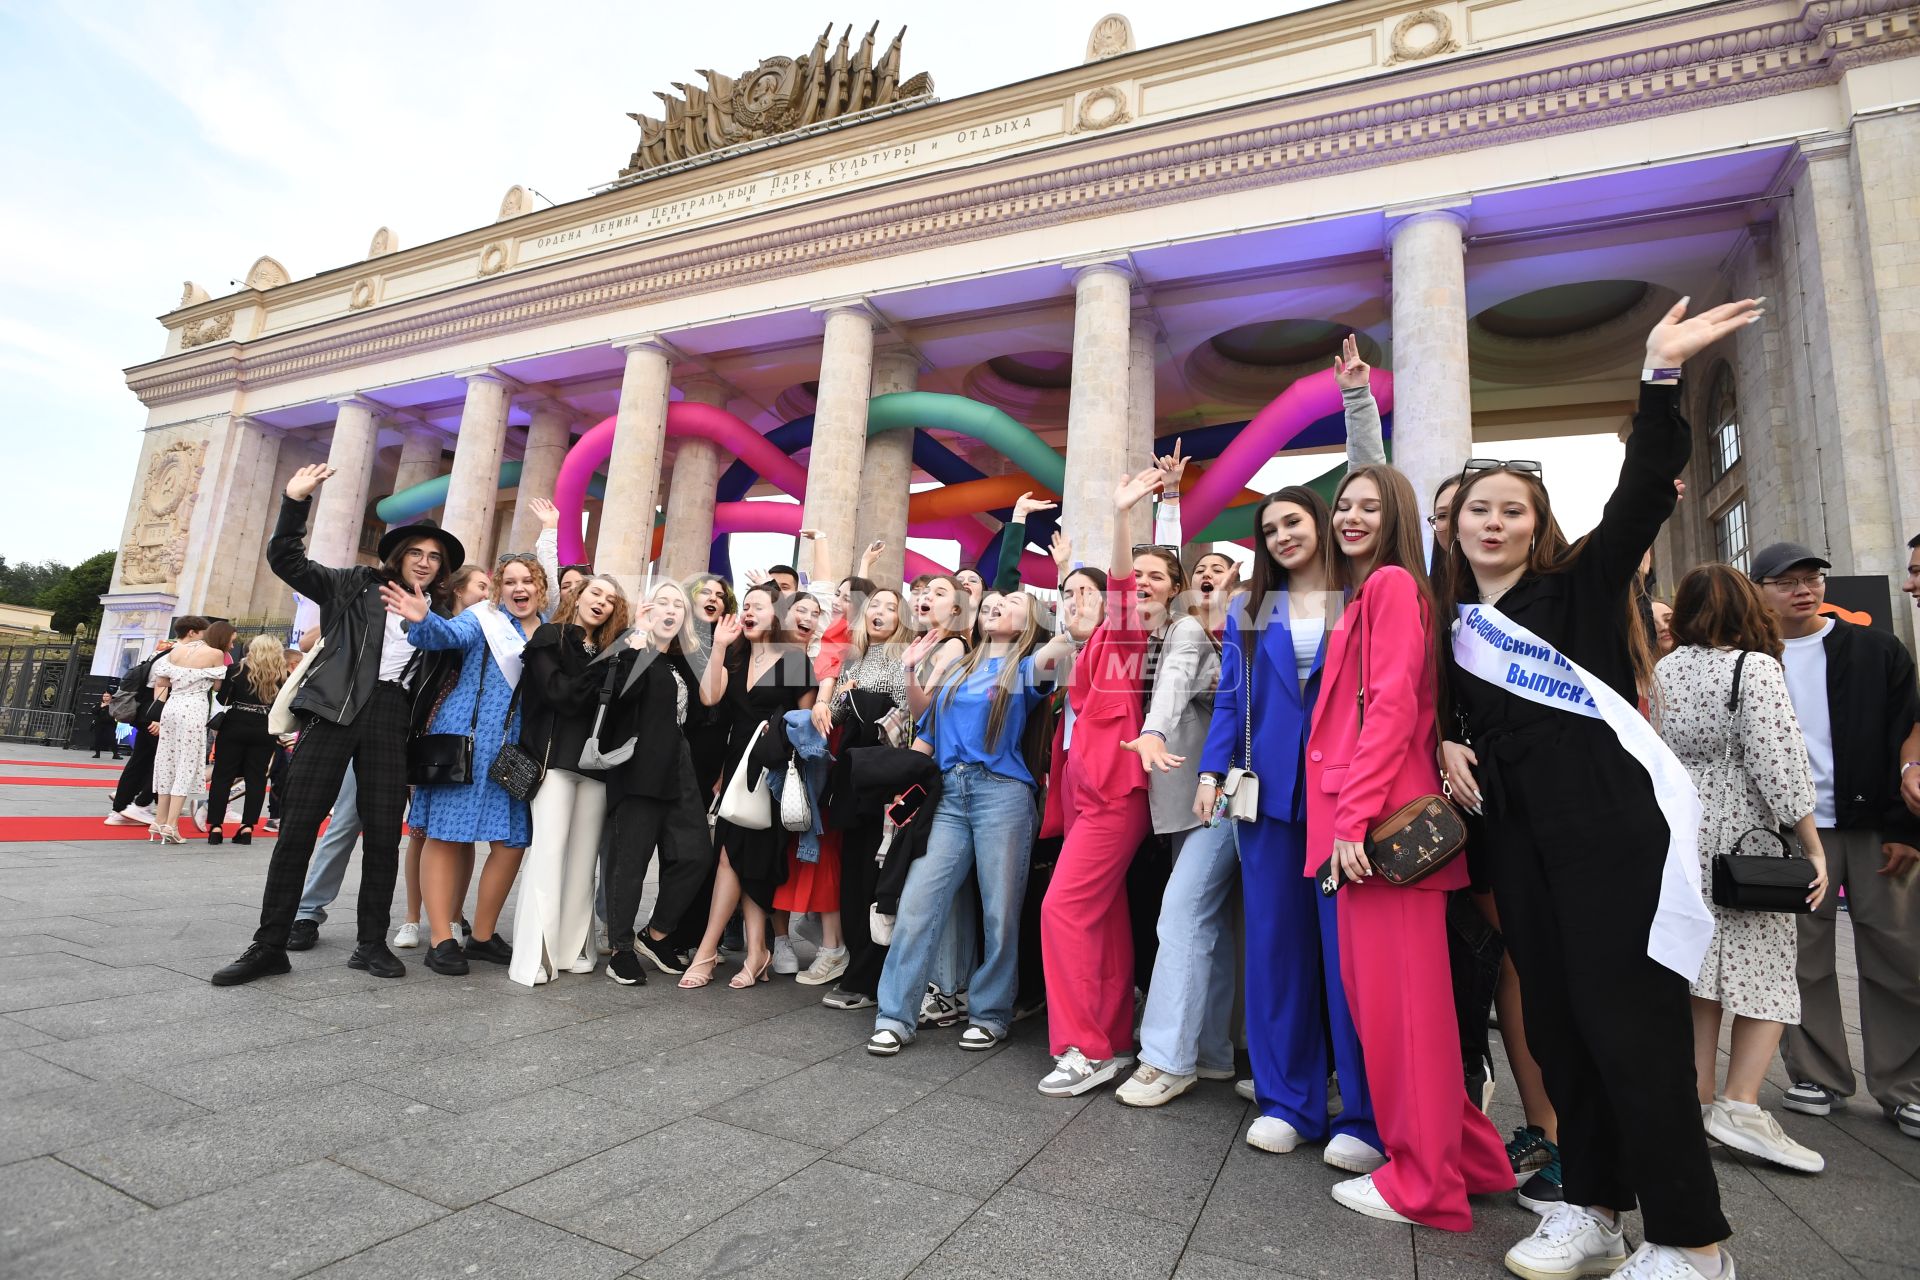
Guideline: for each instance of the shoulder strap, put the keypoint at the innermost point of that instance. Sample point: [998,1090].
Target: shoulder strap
[1739,667]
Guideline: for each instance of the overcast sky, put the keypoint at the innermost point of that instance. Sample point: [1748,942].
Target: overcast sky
[149,144]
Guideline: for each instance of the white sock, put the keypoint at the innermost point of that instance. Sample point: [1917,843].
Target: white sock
[1607,1217]
[1709,1265]
[1743,1108]
[832,951]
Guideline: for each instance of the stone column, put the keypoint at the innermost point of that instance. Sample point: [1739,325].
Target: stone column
[633,472]
[420,450]
[548,437]
[340,507]
[1432,400]
[886,477]
[696,473]
[474,489]
[839,429]
[1143,338]
[1098,429]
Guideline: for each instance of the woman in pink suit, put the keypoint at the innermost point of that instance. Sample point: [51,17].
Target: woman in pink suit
[1373,749]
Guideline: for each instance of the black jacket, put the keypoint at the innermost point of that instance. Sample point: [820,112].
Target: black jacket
[353,623]
[1872,705]
[645,709]
[875,776]
[560,691]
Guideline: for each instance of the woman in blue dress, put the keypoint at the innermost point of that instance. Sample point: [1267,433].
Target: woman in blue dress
[489,637]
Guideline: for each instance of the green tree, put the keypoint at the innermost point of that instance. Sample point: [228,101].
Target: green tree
[74,597]
[22,583]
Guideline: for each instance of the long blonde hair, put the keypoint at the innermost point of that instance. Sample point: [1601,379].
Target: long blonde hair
[957,673]
[895,645]
[267,666]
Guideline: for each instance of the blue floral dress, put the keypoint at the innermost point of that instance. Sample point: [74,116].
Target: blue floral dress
[482,809]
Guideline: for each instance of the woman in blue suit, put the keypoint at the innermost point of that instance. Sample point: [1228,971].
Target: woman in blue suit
[1297,1019]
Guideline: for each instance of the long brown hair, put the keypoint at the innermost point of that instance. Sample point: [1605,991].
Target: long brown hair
[437,590]
[1398,543]
[1267,576]
[1717,607]
[956,673]
[1550,553]
[607,632]
[219,635]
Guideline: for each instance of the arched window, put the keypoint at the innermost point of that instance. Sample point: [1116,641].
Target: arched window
[1723,421]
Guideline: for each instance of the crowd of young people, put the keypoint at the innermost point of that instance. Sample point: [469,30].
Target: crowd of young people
[946,773]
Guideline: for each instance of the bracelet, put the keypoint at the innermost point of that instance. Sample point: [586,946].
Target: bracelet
[1155,732]
[1660,375]
[1211,780]
[1908,764]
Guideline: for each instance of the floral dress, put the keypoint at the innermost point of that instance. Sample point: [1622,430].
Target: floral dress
[180,757]
[481,809]
[1750,766]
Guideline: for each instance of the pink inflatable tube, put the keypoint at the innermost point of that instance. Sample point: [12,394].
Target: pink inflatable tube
[1292,411]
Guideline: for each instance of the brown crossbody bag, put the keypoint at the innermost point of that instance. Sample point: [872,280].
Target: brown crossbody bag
[1420,837]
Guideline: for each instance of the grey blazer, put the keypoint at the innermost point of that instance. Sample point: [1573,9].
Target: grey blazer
[1181,709]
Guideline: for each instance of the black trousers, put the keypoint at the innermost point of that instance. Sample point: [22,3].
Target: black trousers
[1474,948]
[277,781]
[1611,1028]
[858,876]
[241,752]
[136,780]
[678,829]
[375,744]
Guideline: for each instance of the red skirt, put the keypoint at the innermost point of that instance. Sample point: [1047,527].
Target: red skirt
[811,886]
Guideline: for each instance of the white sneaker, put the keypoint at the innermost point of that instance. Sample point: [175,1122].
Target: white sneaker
[826,966]
[1757,1133]
[1149,1086]
[1664,1262]
[138,813]
[585,963]
[407,936]
[1244,1088]
[122,820]
[1074,1073]
[938,1009]
[1352,1154]
[1361,1196]
[1906,1118]
[1271,1133]
[784,960]
[1569,1242]
[200,816]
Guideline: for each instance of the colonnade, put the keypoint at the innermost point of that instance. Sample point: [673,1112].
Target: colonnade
[857,488]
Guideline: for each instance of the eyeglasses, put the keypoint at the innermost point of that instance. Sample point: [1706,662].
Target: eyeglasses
[524,557]
[1433,521]
[1793,586]
[1526,465]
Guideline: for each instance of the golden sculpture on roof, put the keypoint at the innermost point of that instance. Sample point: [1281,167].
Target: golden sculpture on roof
[779,95]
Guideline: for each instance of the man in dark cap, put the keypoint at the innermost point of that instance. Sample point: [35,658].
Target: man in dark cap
[1853,692]
[356,709]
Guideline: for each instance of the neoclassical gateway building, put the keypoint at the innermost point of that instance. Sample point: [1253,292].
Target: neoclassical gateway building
[818,279]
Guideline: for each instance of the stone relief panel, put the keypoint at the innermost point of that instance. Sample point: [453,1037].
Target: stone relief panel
[384,242]
[198,333]
[266,273]
[1103,108]
[1427,33]
[1111,37]
[191,294]
[156,550]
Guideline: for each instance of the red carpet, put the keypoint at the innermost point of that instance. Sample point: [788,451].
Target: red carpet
[16,830]
[105,783]
[63,764]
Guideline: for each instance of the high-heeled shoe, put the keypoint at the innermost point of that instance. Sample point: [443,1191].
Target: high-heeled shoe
[171,835]
[153,833]
[215,835]
[700,972]
[243,836]
[749,975]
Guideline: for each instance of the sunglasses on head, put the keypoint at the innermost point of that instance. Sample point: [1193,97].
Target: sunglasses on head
[1526,465]
[1141,548]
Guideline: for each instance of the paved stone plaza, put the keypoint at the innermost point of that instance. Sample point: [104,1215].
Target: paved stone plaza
[329,1123]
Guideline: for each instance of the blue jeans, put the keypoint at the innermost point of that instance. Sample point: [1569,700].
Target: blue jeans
[1188,1019]
[984,824]
[329,865]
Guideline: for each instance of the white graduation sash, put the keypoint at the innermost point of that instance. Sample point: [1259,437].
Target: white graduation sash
[503,640]
[1492,646]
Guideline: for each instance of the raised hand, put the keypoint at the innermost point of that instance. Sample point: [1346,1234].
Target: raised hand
[1026,504]
[1127,494]
[726,632]
[545,512]
[756,576]
[925,644]
[1173,466]
[1062,548]
[403,602]
[1350,372]
[810,535]
[302,483]
[1678,337]
[871,554]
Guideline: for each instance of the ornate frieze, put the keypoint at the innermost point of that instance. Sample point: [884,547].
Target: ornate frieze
[156,550]
[212,329]
[1668,77]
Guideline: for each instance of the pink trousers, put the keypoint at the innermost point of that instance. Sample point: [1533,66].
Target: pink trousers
[1440,1148]
[1086,934]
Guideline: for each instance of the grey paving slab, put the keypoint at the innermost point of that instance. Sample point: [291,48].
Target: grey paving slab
[807,1034]
[136,1052]
[286,1224]
[44,1203]
[1276,1210]
[686,1080]
[30,944]
[18,1035]
[254,1075]
[226,1149]
[492,1072]
[1840,1205]
[472,1157]
[1020,1233]
[645,1195]
[823,1106]
[484,1240]
[955,1143]
[164,1008]
[47,1122]
[93,982]
[803,1227]
[23,1073]
[1149,1163]
[1195,1265]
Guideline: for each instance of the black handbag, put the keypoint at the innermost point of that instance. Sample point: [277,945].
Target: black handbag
[1759,882]
[446,759]
[518,773]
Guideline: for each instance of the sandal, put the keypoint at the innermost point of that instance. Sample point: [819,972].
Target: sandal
[700,972]
[884,1044]
[243,836]
[748,975]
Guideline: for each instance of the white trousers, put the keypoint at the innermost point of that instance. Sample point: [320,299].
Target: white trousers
[554,919]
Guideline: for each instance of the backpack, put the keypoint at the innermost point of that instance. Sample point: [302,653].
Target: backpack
[126,703]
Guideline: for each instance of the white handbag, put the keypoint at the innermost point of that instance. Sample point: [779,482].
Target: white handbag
[748,804]
[795,813]
[280,717]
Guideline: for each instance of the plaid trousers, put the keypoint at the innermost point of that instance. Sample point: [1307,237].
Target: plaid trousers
[376,745]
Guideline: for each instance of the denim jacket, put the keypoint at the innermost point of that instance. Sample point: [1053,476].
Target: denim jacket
[811,746]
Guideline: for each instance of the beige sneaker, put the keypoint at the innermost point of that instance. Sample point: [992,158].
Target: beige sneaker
[1149,1086]
[1758,1134]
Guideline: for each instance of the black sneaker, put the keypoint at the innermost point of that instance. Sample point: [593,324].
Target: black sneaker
[1542,1191]
[303,935]
[624,968]
[446,957]
[376,960]
[495,950]
[258,961]
[660,952]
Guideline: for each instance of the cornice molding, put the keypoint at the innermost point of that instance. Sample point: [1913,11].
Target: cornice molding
[1684,74]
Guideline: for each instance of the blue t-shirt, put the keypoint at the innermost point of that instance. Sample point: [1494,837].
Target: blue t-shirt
[958,729]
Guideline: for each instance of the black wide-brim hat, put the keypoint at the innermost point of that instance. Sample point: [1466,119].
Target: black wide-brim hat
[451,552]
